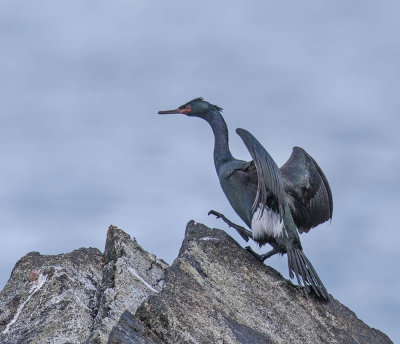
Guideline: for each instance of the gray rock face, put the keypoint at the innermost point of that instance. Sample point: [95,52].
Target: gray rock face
[130,275]
[77,297]
[215,292]
[130,330]
[50,299]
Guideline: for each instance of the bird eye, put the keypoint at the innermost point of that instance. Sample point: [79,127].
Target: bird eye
[185,109]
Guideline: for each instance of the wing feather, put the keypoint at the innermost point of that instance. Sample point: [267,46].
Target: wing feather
[268,174]
[308,192]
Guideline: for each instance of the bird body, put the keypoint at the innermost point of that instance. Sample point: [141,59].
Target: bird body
[276,204]
[238,180]
[239,188]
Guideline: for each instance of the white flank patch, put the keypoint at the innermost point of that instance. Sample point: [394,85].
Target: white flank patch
[36,285]
[269,224]
[134,273]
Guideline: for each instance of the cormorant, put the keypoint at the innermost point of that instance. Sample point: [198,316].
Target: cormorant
[276,203]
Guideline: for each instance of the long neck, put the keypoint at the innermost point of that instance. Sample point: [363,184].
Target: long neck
[222,153]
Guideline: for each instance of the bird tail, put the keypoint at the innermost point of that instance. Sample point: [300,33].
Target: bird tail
[305,273]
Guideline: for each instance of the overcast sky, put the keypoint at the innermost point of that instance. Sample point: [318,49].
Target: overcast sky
[82,147]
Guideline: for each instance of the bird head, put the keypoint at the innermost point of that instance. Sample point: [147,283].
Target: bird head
[197,107]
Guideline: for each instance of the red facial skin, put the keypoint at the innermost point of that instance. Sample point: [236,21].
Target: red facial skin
[186,110]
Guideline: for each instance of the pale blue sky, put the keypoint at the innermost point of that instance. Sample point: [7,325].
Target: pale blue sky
[81,146]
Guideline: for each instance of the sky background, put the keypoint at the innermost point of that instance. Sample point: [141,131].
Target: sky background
[82,146]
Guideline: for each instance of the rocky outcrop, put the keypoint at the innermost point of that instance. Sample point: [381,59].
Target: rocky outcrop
[215,292]
[130,275]
[50,299]
[77,297]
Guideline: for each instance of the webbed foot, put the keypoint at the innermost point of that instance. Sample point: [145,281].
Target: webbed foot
[261,257]
[243,232]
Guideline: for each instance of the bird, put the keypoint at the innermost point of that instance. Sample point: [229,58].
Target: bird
[276,204]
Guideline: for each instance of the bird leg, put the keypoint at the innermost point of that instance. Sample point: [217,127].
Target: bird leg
[261,257]
[243,232]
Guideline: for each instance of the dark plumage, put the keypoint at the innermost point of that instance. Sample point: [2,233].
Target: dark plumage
[276,203]
[307,189]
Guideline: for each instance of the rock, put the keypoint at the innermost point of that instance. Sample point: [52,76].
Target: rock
[80,296]
[50,299]
[130,275]
[216,292]
[130,330]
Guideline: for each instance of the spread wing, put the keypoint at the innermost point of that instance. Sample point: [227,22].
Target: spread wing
[268,175]
[308,193]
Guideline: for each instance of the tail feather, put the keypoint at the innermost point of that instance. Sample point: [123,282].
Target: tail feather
[315,275]
[305,273]
[290,263]
[296,266]
[308,276]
